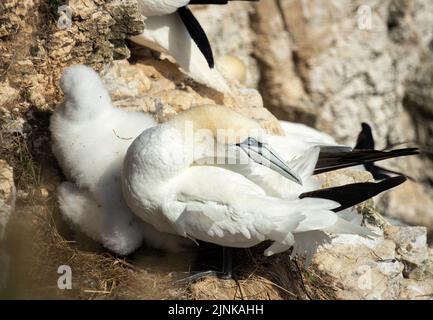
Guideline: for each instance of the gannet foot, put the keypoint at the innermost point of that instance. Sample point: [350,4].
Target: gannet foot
[225,274]
[182,278]
[191,277]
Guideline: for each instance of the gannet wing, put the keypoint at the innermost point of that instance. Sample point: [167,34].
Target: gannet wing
[301,137]
[197,34]
[168,34]
[275,184]
[353,194]
[338,160]
[304,132]
[332,156]
[223,207]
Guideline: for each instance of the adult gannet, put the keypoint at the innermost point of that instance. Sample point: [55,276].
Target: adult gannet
[180,178]
[172,28]
[90,138]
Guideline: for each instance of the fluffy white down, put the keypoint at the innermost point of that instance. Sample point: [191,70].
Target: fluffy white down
[90,138]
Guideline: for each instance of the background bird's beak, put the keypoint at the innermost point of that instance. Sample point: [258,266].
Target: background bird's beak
[263,154]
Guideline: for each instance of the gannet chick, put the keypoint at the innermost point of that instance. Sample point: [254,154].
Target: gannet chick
[90,138]
[194,194]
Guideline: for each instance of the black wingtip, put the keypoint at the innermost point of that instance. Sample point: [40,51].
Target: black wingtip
[395,181]
[352,194]
[380,173]
[197,34]
[340,160]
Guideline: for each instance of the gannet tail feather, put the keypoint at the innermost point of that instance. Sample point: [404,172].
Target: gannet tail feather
[380,173]
[345,227]
[197,34]
[352,194]
[330,161]
[307,243]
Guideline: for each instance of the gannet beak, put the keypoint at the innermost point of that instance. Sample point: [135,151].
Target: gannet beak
[263,154]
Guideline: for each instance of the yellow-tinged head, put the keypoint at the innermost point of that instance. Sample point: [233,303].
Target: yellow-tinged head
[226,125]
[216,132]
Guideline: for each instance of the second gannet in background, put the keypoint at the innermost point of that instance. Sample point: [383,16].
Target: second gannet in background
[180,178]
[365,141]
[90,138]
[170,27]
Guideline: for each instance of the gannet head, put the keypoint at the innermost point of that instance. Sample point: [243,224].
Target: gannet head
[217,132]
[84,90]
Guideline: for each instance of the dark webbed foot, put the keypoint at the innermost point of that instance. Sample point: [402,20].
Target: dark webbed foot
[190,277]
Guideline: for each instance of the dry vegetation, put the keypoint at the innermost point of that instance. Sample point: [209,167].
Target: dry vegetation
[39,241]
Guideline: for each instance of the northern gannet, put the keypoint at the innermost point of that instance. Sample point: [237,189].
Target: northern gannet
[170,27]
[180,177]
[90,138]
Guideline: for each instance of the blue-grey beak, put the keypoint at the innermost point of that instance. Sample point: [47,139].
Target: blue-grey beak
[263,154]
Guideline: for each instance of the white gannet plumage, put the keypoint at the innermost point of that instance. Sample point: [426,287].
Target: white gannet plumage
[169,35]
[300,148]
[215,203]
[150,8]
[90,138]
[306,133]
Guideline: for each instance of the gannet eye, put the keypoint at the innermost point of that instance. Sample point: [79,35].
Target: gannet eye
[251,141]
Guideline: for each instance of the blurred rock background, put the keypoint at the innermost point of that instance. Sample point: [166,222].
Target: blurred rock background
[335,64]
[331,64]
